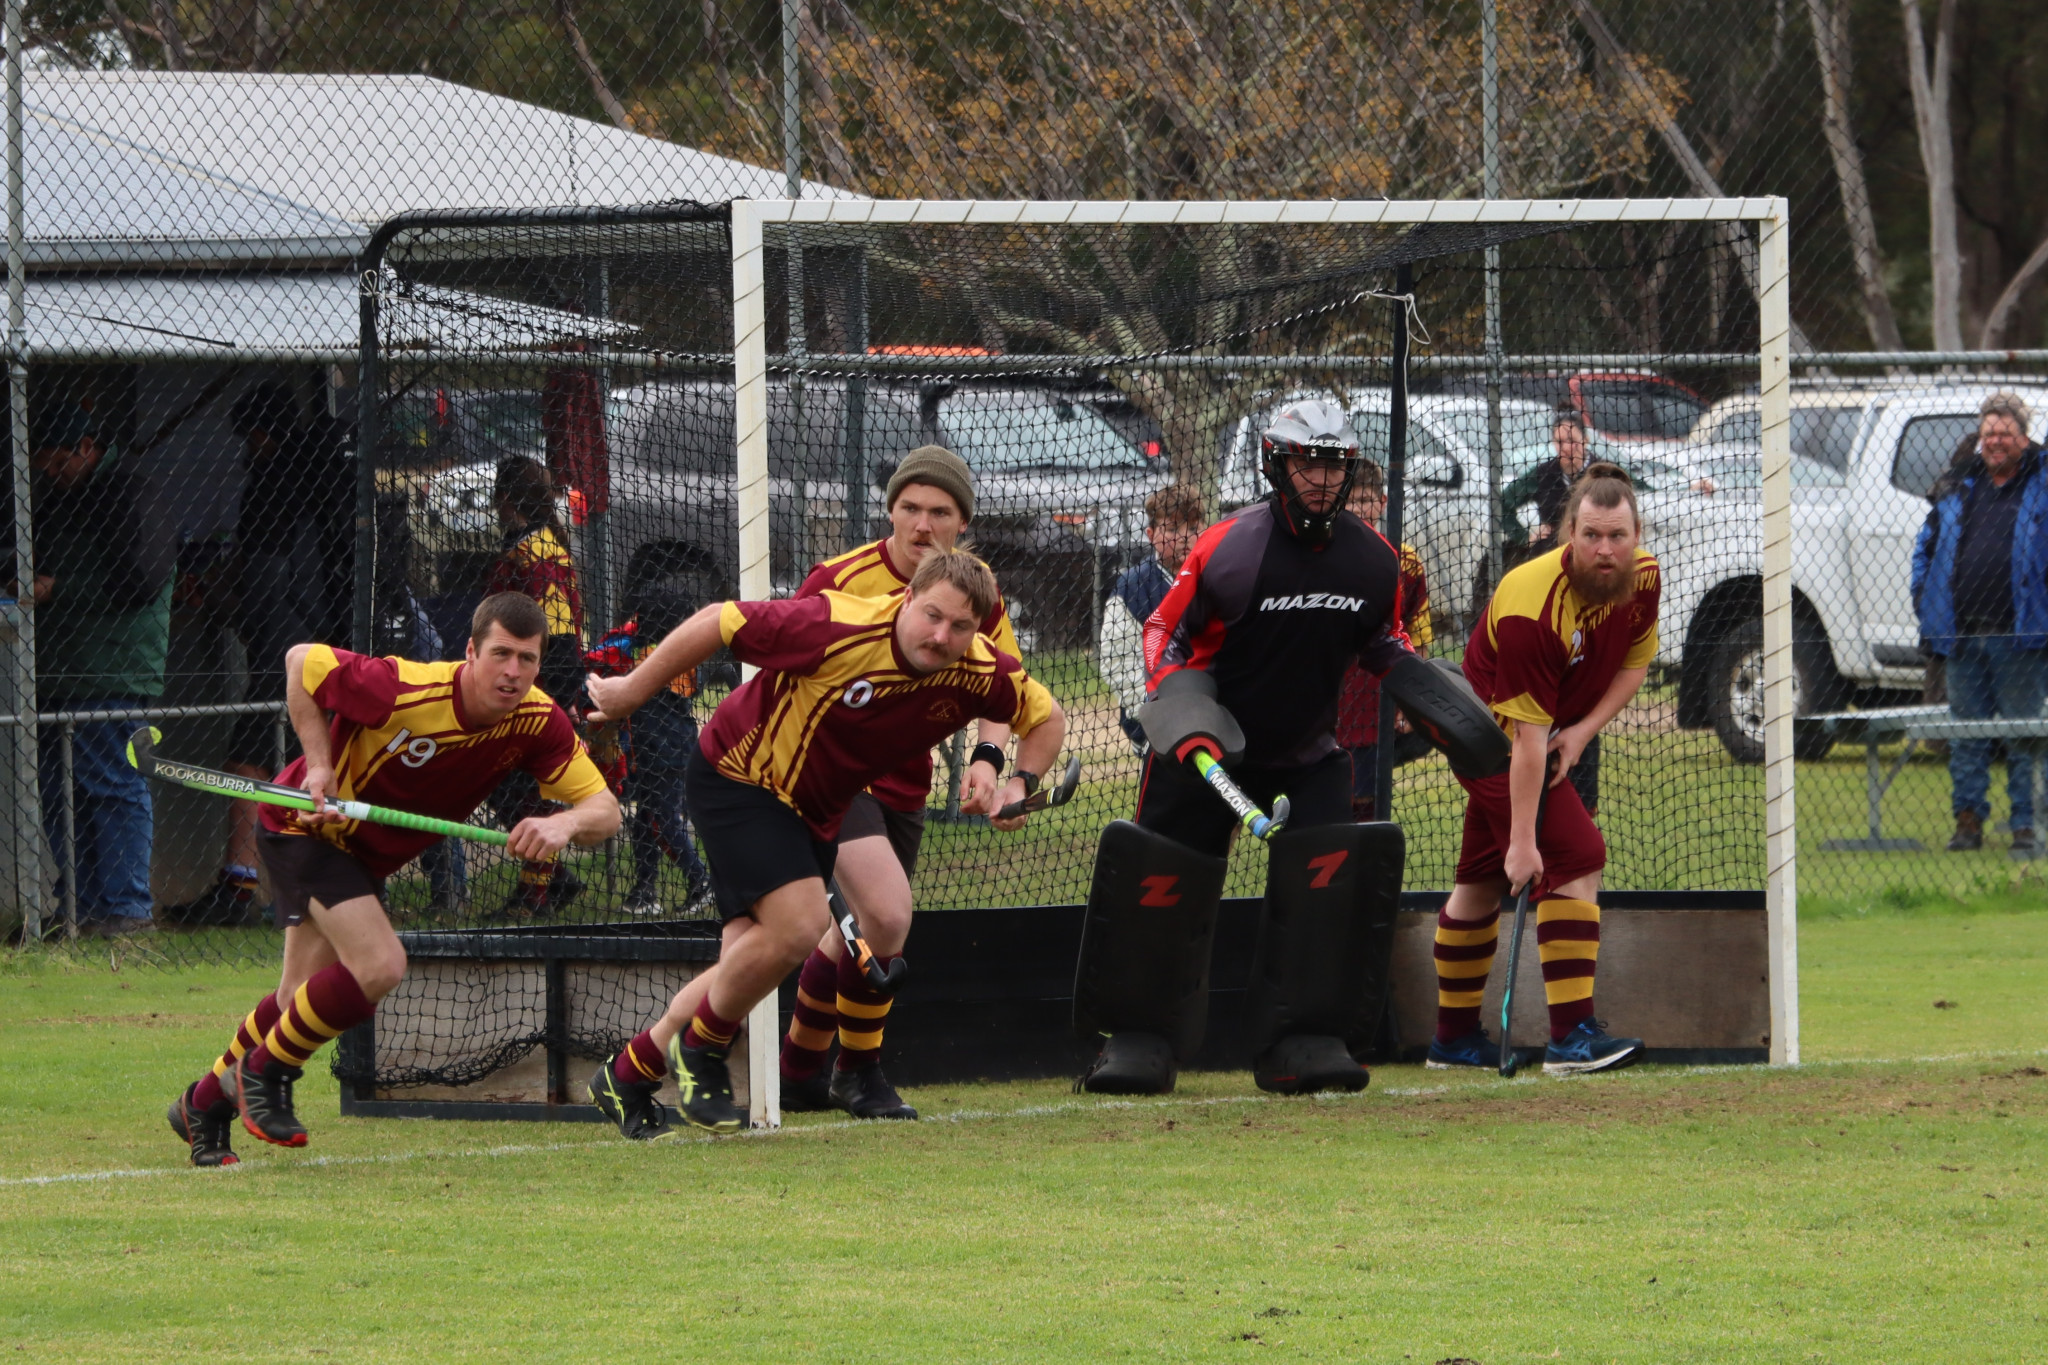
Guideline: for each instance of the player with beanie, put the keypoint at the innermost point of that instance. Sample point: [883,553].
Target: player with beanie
[930,501]
[1564,644]
[432,738]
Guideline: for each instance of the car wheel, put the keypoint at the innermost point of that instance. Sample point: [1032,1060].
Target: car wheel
[1738,682]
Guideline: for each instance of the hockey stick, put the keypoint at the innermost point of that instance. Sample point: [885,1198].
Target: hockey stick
[1261,825]
[1045,798]
[1509,1062]
[142,756]
[864,957]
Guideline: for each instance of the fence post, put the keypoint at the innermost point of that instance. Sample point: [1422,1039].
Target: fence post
[1489,141]
[1781,901]
[1397,479]
[27,796]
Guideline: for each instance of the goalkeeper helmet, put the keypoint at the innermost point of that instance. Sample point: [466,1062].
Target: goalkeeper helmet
[1317,430]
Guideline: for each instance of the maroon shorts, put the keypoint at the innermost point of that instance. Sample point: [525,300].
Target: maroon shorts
[1570,843]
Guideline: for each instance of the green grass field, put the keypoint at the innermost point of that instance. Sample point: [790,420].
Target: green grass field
[1868,1206]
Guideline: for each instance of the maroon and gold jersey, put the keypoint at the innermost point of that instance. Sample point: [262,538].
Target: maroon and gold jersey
[837,706]
[1541,655]
[400,738]
[869,572]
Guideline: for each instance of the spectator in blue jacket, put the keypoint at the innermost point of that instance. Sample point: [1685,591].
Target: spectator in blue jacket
[1173,518]
[1980,584]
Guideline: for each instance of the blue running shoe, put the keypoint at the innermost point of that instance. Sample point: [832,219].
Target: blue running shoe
[1588,1048]
[1475,1049]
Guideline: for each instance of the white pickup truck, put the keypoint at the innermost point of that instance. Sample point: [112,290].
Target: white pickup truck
[1863,461]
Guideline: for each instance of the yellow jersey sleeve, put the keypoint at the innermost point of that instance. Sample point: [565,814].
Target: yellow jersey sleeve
[577,779]
[730,621]
[320,661]
[1034,706]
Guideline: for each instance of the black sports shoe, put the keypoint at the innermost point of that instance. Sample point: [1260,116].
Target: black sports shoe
[810,1094]
[205,1131]
[629,1104]
[1304,1063]
[1131,1064]
[865,1093]
[705,1088]
[265,1102]
[538,900]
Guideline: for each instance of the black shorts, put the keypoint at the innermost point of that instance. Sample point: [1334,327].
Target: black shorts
[303,866]
[753,842]
[868,818]
[1174,800]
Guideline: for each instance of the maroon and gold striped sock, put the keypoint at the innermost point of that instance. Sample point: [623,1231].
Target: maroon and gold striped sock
[1464,956]
[816,1016]
[710,1029]
[207,1093]
[862,1010]
[640,1061]
[328,1005]
[1568,943]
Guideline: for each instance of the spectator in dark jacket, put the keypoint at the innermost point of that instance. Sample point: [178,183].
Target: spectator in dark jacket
[104,553]
[1980,585]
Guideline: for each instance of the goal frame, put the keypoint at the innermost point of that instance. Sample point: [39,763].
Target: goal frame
[1770,214]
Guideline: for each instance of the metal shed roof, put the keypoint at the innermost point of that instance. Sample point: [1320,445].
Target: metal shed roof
[143,169]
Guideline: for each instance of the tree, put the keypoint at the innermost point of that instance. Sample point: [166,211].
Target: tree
[1830,21]
[1930,86]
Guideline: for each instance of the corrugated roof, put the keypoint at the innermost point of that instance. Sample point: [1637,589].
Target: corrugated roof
[149,168]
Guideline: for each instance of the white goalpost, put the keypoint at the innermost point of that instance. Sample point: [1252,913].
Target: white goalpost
[753,220]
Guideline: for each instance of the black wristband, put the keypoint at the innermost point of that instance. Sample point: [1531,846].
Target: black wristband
[1030,781]
[991,754]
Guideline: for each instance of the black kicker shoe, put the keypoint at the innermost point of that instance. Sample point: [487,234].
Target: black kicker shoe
[865,1093]
[1131,1064]
[265,1102]
[1308,1062]
[205,1131]
[807,1095]
[705,1088]
[629,1104]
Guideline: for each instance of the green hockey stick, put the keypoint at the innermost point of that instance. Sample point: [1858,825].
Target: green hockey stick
[142,756]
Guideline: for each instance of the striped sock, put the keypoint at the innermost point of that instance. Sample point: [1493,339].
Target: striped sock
[1464,956]
[813,1020]
[862,1009]
[328,1005]
[1568,943]
[207,1093]
[710,1029]
[640,1061]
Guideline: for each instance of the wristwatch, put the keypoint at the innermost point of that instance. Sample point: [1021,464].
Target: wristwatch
[1030,781]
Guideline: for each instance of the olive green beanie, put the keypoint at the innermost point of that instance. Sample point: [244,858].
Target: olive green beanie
[935,467]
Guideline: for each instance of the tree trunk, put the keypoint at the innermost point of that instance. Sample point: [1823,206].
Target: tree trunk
[1831,44]
[1938,157]
[613,108]
[2001,313]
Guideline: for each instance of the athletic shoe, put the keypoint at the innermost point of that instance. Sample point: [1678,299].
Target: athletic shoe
[1588,1048]
[810,1094]
[1130,1064]
[704,1086]
[537,900]
[865,1093]
[229,902]
[642,905]
[700,896]
[265,1102]
[629,1104]
[205,1131]
[1304,1063]
[1475,1049]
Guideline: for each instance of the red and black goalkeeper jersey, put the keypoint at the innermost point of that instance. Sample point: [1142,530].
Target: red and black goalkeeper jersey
[1276,620]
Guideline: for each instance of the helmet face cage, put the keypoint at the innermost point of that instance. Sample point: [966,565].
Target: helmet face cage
[1315,430]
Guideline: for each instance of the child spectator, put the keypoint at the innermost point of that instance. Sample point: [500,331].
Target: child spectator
[1358,704]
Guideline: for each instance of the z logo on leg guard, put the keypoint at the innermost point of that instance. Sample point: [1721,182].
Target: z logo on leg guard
[1159,892]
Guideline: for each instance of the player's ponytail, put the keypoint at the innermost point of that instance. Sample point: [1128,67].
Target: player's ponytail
[1604,484]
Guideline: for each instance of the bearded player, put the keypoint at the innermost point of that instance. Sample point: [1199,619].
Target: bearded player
[850,689]
[435,739]
[1564,644]
[930,499]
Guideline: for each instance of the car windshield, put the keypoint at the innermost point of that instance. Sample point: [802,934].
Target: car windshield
[1823,435]
[1639,407]
[1521,424]
[1035,433]
[512,420]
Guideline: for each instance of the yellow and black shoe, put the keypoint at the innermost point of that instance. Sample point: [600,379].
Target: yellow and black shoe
[704,1087]
[205,1131]
[629,1104]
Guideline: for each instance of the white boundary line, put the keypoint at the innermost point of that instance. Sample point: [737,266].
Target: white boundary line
[967,1116]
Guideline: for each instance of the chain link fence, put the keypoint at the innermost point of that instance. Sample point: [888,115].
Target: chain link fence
[199,184]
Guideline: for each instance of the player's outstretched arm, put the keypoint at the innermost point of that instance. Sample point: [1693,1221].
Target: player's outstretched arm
[309,723]
[1571,741]
[590,821]
[1037,752]
[681,650]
